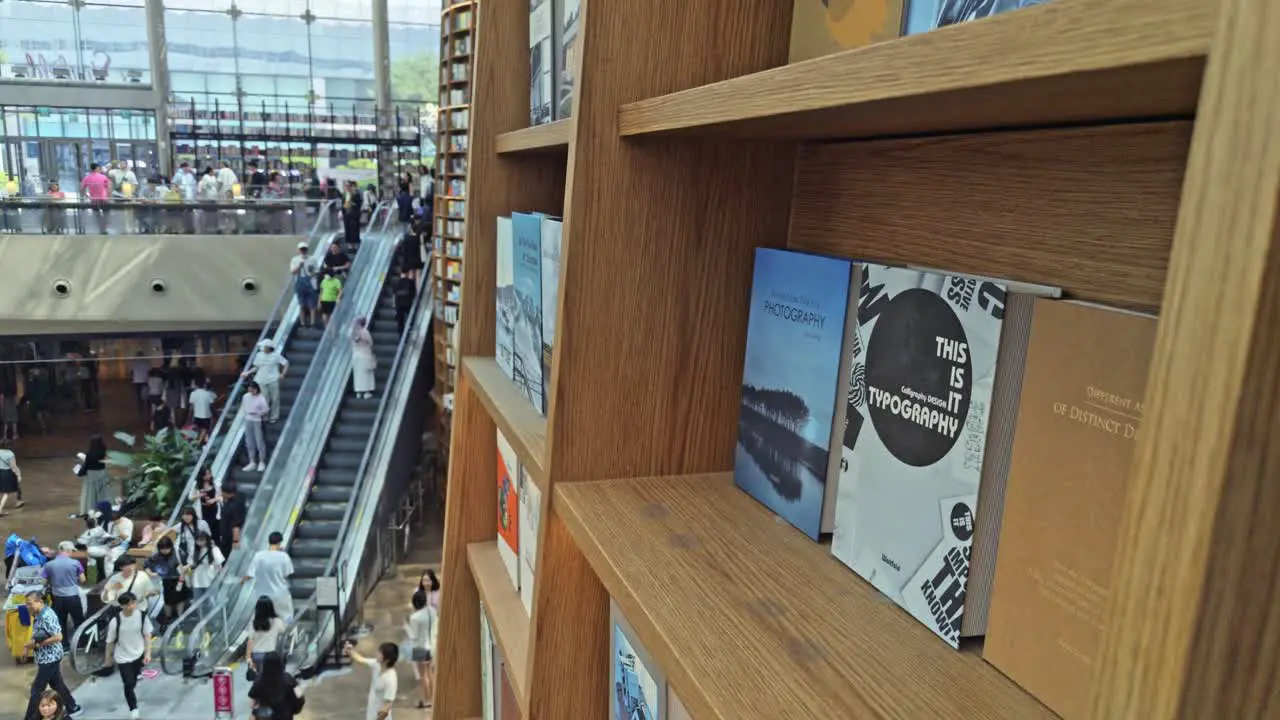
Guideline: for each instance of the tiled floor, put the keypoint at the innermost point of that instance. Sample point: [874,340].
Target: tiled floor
[52,492]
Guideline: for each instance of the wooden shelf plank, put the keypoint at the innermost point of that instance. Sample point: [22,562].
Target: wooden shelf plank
[750,619]
[523,427]
[551,137]
[1065,61]
[507,618]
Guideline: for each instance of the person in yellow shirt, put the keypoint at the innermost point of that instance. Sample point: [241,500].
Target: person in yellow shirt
[330,293]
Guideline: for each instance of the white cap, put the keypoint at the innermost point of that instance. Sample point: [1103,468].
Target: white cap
[66,546]
[302,246]
[268,345]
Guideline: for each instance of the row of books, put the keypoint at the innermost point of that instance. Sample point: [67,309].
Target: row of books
[553,52]
[822,27]
[519,515]
[498,699]
[528,280]
[966,440]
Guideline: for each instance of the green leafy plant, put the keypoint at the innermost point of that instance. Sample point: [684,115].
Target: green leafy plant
[157,467]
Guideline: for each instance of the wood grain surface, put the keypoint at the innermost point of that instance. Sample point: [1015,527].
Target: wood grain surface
[551,137]
[1065,61]
[1194,623]
[520,424]
[751,620]
[1089,209]
[507,618]
[471,510]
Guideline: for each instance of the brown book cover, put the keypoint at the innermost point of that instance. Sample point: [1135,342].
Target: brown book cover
[1081,405]
[822,27]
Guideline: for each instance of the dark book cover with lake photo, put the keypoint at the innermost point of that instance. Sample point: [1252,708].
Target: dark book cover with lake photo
[793,382]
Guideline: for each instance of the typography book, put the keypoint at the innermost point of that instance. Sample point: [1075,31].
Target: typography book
[924,369]
[527,325]
[638,688]
[1078,422]
[508,520]
[530,519]
[791,411]
[505,295]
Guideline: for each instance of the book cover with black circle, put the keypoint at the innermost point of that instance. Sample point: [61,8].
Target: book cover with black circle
[922,378]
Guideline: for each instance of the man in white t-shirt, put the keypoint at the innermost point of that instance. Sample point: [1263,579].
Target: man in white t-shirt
[268,369]
[270,571]
[129,646]
[201,402]
[303,270]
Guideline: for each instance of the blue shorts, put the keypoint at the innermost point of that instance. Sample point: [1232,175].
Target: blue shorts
[307,294]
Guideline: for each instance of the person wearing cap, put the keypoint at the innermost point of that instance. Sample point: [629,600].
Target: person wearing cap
[65,574]
[268,368]
[303,271]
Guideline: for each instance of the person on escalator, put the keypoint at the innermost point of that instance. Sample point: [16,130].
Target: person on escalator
[264,633]
[255,409]
[205,564]
[405,291]
[270,571]
[352,207]
[232,520]
[303,271]
[268,369]
[164,565]
[363,362]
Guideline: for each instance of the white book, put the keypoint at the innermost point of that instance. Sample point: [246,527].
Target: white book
[487,676]
[541,62]
[924,372]
[530,519]
[508,520]
[505,296]
[566,19]
[552,231]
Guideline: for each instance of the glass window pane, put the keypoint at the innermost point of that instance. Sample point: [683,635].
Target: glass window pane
[344,9]
[181,82]
[114,44]
[45,42]
[118,3]
[283,8]
[426,12]
[200,42]
[272,46]
[343,51]
[415,63]
[210,5]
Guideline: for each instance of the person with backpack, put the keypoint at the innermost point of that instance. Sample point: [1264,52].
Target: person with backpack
[164,564]
[275,693]
[129,646]
[127,579]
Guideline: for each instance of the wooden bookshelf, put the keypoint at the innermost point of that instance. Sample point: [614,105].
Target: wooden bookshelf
[507,617]
[758,621]
[457,42]
[1120,149]
[552,137]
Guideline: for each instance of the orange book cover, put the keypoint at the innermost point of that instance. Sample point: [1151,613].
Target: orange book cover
[822,27]
[508,504]
[1078,417]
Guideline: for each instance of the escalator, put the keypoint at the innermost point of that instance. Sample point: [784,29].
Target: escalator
[320,519]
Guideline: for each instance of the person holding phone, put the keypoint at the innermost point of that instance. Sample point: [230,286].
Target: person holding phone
[385,684]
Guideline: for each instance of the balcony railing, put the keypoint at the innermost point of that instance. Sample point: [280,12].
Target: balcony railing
[36,216]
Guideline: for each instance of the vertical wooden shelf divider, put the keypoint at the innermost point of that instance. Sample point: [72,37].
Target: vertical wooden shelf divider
[655,278]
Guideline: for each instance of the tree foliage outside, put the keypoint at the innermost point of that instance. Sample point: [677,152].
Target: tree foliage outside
[416,78]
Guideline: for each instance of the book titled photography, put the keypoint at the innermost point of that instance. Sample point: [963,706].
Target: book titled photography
[905,507]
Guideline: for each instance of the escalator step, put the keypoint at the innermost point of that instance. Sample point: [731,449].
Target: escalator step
[309,567]
[320,511]
[340,443]
[342,477]
[331,493]
[336,460]
[318,530]
[310,548]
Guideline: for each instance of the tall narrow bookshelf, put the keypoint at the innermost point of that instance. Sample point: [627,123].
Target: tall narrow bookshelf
[457,45]
[1122,150]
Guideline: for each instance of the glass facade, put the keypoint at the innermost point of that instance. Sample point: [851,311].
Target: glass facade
[103,41]
[43,145]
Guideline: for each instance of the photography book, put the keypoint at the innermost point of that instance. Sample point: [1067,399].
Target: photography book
[505,295]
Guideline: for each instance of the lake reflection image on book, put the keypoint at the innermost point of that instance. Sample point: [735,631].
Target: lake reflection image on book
[794,377]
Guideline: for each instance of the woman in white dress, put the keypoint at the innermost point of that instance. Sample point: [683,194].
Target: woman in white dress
[363,362]
[385,685]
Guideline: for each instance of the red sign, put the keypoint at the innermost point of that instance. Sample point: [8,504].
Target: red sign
[222,693]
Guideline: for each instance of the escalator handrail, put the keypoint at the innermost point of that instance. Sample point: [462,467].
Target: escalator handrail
[334,375]
[364,477]
[228,444]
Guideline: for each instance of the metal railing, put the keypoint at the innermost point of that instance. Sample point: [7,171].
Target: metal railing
[120,216]
[314,630]
[88,640]
[214,626]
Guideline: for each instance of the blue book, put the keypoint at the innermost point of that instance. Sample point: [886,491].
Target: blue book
[800,340]
[527,323]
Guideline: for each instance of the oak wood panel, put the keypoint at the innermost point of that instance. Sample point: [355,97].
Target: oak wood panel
[507,618]
[1193,629]
[1068,60]
[498,184]
[1089,209]
[655,272]
[750,620]
[551,137]
[471,507]
[519,423]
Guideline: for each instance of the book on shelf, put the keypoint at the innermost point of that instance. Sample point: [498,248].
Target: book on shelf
[1079,415]
[822,27]
[488,651]
[508,521]
[934,355]
[541,62]
[530,520]
[926,15]
[794,380]
[567,14]
[508,706]
[675,707]
[552,229]
[527,323]
[505,295]
[639,690]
